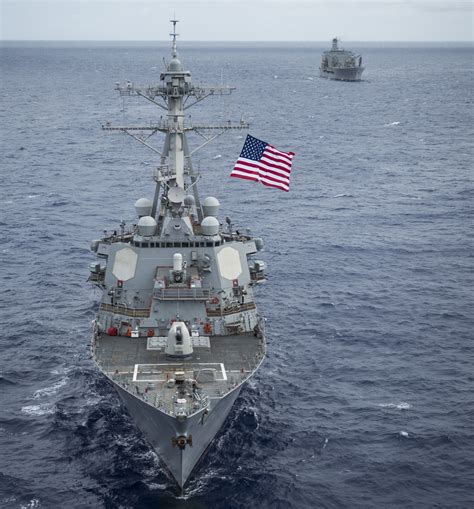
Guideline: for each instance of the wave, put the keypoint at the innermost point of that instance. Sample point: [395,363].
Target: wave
[52,389]
[59,203]
[6,381]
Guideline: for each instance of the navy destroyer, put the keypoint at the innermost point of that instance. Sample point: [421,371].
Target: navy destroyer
[340,64]
[177,331]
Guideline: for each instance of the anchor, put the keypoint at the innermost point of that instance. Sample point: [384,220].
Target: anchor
[181,441]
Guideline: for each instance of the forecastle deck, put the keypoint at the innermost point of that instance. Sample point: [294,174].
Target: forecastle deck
[217,365]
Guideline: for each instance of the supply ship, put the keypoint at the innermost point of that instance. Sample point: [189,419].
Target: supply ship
[340,64]
[177,331]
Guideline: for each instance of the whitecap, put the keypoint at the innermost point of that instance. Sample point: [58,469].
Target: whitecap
[32,504]
[404,434]
[404,406]
[392,123]
[44,409]
[157,486]
[399,406]
[218,156]
[343,195]
[52,389]
[60,371]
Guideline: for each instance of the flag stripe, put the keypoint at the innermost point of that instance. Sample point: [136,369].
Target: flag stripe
[278,156]
[271,164]
[286,155]
[272,184]
[264,180]
[255,170]
[245,171]
[242,176]
[264,167]
[276,162]
[263,170]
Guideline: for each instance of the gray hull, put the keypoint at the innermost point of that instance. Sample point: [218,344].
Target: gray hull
[160,428]
[342,73]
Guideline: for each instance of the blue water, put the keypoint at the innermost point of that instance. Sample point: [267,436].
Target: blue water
[366,398]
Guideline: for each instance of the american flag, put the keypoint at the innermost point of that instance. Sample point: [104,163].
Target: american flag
[263,163]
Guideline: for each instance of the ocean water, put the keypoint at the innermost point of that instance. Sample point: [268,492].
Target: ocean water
[366,398]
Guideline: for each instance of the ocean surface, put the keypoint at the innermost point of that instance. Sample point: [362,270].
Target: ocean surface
[366,399]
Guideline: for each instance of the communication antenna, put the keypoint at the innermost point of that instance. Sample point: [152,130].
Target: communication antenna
[174,51]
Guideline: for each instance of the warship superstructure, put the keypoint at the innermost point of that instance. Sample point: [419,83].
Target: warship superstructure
[340,64]
[177,331]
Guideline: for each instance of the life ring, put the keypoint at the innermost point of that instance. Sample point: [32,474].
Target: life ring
[150,333]
[214,300]
[207,328]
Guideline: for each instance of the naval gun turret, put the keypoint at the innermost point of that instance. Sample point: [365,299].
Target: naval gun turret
[179,344]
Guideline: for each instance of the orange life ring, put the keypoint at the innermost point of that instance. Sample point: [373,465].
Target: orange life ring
[207,328]
[214,300]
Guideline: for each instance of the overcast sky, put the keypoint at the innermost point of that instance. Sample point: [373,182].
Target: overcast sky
[238,20]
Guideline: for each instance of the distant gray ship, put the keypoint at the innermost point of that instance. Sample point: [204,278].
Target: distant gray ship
[340,64]
[177,331]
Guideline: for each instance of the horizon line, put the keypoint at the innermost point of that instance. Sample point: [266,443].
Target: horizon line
[234,41]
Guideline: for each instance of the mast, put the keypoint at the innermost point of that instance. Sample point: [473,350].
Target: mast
[175,94]
[175,78]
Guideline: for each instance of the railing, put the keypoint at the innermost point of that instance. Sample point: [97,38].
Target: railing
[97,277]
[118,237]
[124,310]
[231,310]
[155,396]
[181,294]
[257,275]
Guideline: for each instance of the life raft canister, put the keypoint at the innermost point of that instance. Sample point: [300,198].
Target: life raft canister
[112,331]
